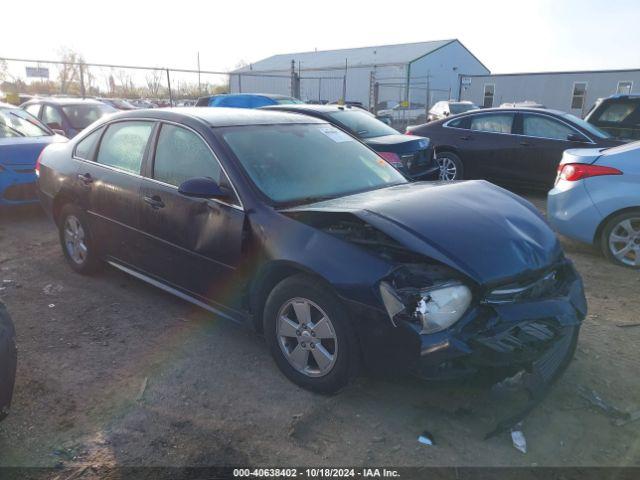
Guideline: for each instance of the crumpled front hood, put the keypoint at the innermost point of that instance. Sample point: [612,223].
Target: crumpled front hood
[481,230]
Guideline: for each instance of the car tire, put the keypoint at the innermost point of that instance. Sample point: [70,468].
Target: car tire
[8,360]
[296,345]
[451,167]
[76,240]
[612,240]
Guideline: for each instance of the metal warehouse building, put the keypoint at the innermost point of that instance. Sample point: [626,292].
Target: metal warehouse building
[572,92]
[418,73]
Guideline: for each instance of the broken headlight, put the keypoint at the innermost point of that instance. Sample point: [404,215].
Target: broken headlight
[441,306]
[436,308]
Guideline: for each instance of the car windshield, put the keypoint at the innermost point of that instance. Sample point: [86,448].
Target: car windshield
[18,123]
[456,108]
[362,124]
[587,126]
[303,163]
[81,116]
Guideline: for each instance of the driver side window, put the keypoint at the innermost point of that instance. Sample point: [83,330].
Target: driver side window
[181,155]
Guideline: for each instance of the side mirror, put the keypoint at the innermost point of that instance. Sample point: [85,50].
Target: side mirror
[54,126]
[202,187]
[574,137]
[446,114]
[59,132]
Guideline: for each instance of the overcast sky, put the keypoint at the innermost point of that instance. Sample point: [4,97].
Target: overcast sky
[507,36]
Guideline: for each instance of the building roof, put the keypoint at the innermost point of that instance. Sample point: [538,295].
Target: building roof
[364,56]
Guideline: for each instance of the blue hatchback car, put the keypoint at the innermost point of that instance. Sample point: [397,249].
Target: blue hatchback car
[246,100]
[596,200]
[22,138]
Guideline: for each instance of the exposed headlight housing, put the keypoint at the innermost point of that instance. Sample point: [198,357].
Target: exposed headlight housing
[436,308]
[441,306]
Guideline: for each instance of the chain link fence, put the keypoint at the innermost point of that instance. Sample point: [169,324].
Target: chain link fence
[22,78]
[394,98]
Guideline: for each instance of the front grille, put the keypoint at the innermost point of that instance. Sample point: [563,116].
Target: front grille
[544,286]
[20,193]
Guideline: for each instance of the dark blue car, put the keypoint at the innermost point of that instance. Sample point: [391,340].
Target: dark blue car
[246,100]
[290,225]
[22,138]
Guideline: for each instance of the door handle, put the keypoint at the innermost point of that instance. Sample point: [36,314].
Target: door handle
[155,201]
[525,144]
[465,138]
[85,178]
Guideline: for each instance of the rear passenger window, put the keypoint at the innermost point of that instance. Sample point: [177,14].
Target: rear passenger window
[123,145]
[499,123]
[84,149]
[181,155]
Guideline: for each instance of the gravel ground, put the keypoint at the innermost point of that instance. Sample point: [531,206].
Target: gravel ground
[114,372]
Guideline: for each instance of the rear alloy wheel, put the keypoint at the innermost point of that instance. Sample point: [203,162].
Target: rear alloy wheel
[76,241]
[621,239]
[450,166]
[310,336]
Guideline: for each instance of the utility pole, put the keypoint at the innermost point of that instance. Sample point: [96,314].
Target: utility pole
[169,87]
[344,83]
[82,89]
[199,85]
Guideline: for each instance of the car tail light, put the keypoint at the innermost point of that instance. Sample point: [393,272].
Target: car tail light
[391,158]
[37,170]
[572,172]
[409,132]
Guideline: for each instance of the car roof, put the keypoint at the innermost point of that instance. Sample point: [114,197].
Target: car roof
[220,116]
[312,107]
[515,109]
[7,105]
[65,101]
[267,95]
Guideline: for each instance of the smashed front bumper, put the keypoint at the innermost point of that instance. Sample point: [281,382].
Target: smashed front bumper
[509,335]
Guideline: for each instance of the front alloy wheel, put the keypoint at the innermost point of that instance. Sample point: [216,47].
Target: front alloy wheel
[307,338]
[310,334]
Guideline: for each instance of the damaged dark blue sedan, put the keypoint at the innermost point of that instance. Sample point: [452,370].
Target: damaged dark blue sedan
[294,227]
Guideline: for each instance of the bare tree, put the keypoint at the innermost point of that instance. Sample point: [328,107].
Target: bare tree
[4,71]
[154,80]
[69,72]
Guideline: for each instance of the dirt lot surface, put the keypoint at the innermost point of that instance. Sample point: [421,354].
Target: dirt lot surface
[113,371]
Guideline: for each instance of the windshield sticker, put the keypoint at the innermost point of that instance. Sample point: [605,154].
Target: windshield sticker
[335,134]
